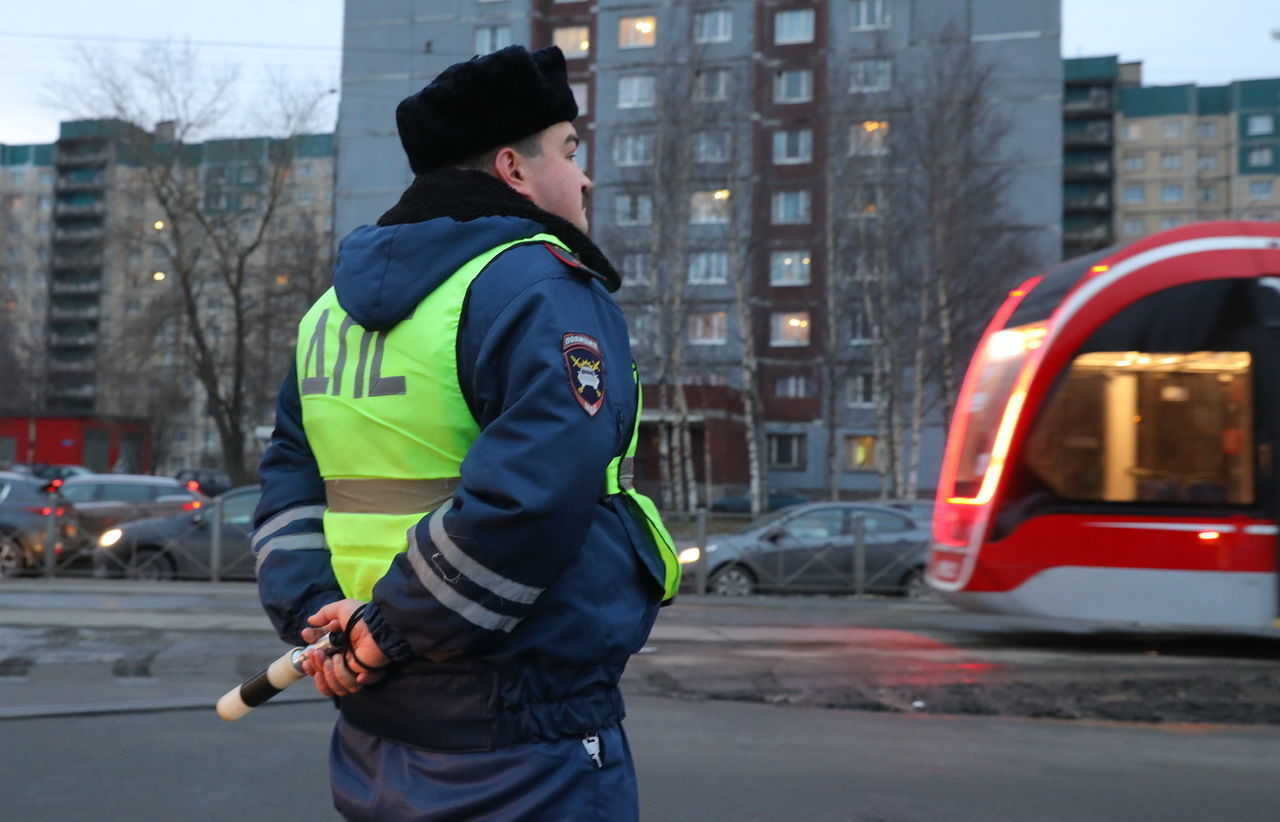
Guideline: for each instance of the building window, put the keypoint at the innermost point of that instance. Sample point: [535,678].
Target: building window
[786,450]
[633,150]
[580,154]
[708,268]
[492,38]
[869,75]
[1132,131]
[574,41]
[792,147]
[637,91]
[1171,193]
[1260,190]
[1208,195]
[1207,162]
[1135,194]
[1167,223]
[860,390]
[869,137]
[789,329]
[1207,130]
[707,328]
[710,146]
[713,26]
[865,15]
[793,386]
[633,209]
[1171,130]
[709,207]
[790,207]
[637,32]
[793,86]
[1262,156]
[635,269]
[1134,227]
[859,333]
[859,453]
[793,27]
[581,96]
[789,268]
[1134,162]
[1171,161]
[1259,125]
[711,86]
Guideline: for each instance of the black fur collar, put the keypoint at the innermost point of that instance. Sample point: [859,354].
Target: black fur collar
[467,195]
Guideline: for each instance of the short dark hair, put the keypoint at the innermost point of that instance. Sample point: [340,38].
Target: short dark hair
[530,146]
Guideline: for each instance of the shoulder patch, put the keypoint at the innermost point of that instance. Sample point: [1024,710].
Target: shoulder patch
[573,262]
[585,364]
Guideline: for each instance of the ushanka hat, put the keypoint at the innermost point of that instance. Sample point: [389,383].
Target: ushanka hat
[482,104]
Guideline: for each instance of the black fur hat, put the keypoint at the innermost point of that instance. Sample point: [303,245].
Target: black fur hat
[484,103]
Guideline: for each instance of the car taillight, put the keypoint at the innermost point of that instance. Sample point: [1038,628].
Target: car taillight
[44,511]
[191,506]
[192,485]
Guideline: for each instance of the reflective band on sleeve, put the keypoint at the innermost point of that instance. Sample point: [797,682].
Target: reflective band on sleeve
[446,595]
[290,542]
[474,571]
[286,517]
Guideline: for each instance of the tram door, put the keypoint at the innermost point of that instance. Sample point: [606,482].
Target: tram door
[1267,302]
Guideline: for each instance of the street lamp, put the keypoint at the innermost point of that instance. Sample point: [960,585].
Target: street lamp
[158,225]
[158,276]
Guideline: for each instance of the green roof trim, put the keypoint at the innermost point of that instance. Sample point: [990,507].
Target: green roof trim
[1157,101]
[1090,68]
[1257,94]
[1213,100]
[37,154]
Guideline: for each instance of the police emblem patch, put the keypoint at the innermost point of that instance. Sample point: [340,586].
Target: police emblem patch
[586,370]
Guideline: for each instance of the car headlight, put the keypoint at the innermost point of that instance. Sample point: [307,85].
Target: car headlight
[110,537]
[689,555]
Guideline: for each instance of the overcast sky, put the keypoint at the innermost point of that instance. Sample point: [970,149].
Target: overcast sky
[1216,43]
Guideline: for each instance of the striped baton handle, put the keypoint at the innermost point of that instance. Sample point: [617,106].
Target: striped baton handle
[273,679]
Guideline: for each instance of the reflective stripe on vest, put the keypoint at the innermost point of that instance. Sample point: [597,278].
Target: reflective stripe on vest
[618,481]
[386,405]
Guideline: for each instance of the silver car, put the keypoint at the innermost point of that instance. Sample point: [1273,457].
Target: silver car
[822,547]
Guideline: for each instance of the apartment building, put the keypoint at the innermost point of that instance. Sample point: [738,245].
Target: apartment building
[780,105]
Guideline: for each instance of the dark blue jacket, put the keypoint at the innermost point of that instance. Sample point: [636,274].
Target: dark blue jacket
[530,508]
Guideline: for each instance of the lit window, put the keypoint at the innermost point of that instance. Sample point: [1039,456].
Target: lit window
[711,86]
[1171,193]
[574,41]
[637,91]
[792,147]
[1171,161]
[869,137]
[793,86]
[793,386]
[789,329]
[707,328]
[1135,194]
[1134,162]
[708,268]
[713,26]
[865,15]
[492,38]
[633,209]
[581,96]
[790,207]
[786,450]
[1259,125]
[793,27]
[869,75]
[1260,190]
[1262,156]
[789,268]
[859,453]
[709,207]
[1171,130]
[637,32]
[710,146]
[633,150]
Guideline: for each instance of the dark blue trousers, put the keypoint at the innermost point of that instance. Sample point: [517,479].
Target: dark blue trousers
[377,780]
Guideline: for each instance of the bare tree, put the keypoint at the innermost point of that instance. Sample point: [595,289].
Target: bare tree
[224,212]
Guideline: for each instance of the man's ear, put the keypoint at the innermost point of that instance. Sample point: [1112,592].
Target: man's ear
[511,167]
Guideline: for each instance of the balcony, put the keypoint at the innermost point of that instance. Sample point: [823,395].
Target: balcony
[80,366]
[72,392]
[70,182]
[1097,134]
[1093,235]
[91,312]
[73,340]
[1099,170]
[78,235]
[75,287]
[63,262]
[1096,102]
[69,159]
[1100,201]
[79,209]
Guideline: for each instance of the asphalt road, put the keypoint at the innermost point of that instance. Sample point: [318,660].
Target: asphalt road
[696,761]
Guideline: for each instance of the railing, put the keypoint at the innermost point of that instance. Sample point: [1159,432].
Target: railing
[90,287]
[1082,236]
[79,209]
[88,158]
[91,313]
[1087,136]
[1086,171]
[72,366]
[65,261]
[1096,102]
[77,235]
[73,340]
[1093,202]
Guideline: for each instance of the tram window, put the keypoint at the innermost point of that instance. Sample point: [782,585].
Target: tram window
[1129,426]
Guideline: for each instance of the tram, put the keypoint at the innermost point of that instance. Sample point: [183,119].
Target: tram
[1113,454]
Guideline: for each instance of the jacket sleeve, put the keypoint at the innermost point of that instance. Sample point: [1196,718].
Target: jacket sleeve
[477,565]
[295,577]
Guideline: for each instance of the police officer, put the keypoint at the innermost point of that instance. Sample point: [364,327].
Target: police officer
[448,481]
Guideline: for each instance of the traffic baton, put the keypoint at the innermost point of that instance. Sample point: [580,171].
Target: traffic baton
[273,679]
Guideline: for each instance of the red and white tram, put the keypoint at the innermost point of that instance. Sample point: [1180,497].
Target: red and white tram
[1114,450]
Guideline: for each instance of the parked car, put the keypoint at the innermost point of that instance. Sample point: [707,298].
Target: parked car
[24,524]
[181,545]
[778,499]
[208,481]
[813,548]
[102,500]
[46,471]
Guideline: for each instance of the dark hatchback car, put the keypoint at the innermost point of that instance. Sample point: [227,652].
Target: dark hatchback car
[181,546]
[102,500]
[24,524]
[814,548]
[778,499]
